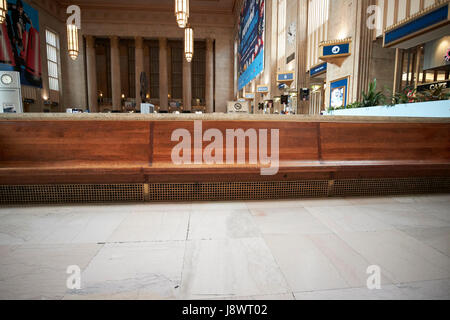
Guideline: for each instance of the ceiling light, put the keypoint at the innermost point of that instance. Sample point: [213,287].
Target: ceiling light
[3,10]
[189,43]
[181,12]
[72,41]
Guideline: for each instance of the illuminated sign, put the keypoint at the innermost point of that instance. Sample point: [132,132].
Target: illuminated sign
[319,69]
[285,77]
[262,89]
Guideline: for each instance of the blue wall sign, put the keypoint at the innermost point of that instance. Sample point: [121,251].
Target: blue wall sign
[430,19]
[262,89]
[337,49]
[288,76]
[321,68]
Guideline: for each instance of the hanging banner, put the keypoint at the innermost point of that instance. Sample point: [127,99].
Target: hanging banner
[20,48]
[251,41]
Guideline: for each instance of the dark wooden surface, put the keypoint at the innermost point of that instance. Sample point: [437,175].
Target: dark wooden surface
[55,152]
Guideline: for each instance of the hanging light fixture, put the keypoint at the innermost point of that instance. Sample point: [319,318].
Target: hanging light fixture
[72,41]
[3,10]
[189,43]
[181,12]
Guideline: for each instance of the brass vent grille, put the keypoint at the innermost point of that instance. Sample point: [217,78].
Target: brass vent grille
[71,193]
[210,191]
[379,187]
[238,190]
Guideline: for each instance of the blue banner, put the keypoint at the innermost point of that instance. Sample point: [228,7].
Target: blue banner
[251,41]
[321,68]
[337,49]
[423,22]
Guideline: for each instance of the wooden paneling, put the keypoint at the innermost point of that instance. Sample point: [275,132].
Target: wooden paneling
[298,141]
[385,141]
[55,142]
[58,152]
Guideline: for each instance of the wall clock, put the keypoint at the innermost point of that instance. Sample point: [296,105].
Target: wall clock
[7,79]
[291,33]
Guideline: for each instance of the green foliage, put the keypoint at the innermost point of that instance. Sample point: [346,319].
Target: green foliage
[372,97]
[354,105]
[407,95]
[435,95]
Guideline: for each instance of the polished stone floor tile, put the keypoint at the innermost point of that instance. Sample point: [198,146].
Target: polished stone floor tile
[287,221]
[92,227]
[433,198]
[350,264]
[230,267]
[204,225]
[437,238]
[304,265]
[348,218]
[263,250]
[401,257]
[148,270]
[426,290]
[297,203]
[440,210]
[218,205]
[152,225]
[409,215]
[388,292]
[270,297]
[39,271]
[47,225]
[370,200]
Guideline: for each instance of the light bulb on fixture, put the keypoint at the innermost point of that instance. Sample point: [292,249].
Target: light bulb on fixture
[189,43]
[182,12]
[3,10]
[72,41]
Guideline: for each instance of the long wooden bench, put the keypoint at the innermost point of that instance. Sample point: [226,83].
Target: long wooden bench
[121,151]
[137,149]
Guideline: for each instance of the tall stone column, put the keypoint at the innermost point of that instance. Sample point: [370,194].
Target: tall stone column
[302,56]
[115,74]
[139,56]
[187,85]
[163,77]
[209,85]
[91,74]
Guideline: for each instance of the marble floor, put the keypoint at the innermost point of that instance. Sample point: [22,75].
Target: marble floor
[288,249]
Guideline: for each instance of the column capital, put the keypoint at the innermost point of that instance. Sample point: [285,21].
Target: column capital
[90,41]
[162,42]
[209,44]
[114,41]
[138,42]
